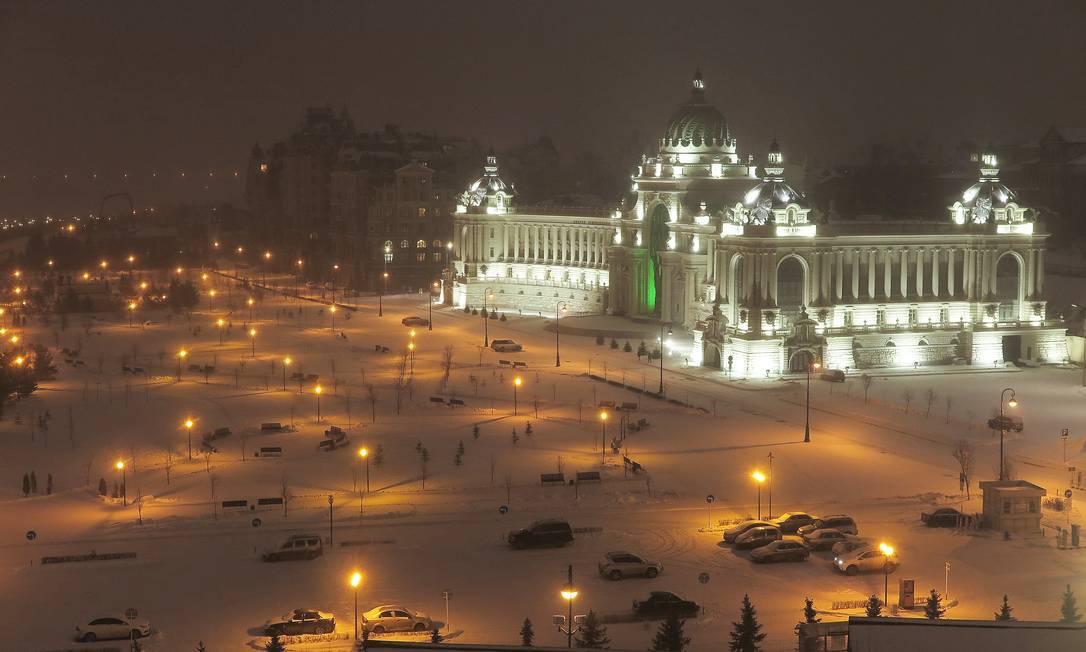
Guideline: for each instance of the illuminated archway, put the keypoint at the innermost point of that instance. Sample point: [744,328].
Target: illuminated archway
[655,243]
[1008,284]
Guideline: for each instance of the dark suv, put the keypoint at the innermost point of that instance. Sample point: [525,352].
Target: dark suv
[839,522]
[298,546]
[550,532]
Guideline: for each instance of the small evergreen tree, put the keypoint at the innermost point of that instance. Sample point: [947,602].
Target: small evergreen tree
[275,645]
[1069,609]
[435,636]
[33,482]
[26,484]
[103,488]
[669,638]
[747,633]
[475,431]
[874,607]
[460,449]
[49,484]
[527,635]
[200,647]
[379,455]
[593,634]
[1005,610]
[809,613]
[933,608]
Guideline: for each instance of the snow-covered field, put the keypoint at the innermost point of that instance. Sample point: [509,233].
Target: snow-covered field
[198,576]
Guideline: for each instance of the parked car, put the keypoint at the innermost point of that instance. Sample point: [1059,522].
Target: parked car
[823,539]
[301,621]
[942,517]
[851,543]
[756,537]
[617,565]
[505,345]
[395,618]
[414,321]
[112,627]
[787,549]
[840,522]
[865,559]
[789,522]
[296,547]
[661,604]
[734,531]
[549,532]
[833,375]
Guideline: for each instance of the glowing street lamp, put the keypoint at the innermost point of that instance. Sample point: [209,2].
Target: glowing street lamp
[487,294]
[317,390]
[364,454]
[356,580]
[604,415]
[250,301]
[759,478]
[887,554]
[564,308]
[131,312]
[332,311]
[433,286]
[189,423]
[220,322]
[180,359]
[286,363]
[124,483]
[19,361]
[252,338]
[569,594]
[210,298]
[516,383]
[384,282]
[662,325]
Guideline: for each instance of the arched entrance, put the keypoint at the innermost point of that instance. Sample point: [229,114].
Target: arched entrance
[800,361]
[712,356]
[1008,286]
[655,243]
[791,281]
[735,290]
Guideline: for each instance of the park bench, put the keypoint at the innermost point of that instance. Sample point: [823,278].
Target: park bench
[546,479]
[607,405]
[235,505]
[588,476]
[271,426]
[269,451]
[196,367]
[456,402]
[269,502]
[628,406]
[297,375]
[437,399]
[218,433]
[126,369]
[332,444]
[138,370]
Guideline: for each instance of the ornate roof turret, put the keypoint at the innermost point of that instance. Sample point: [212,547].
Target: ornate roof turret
[770,200]
[696,123]
[987,200]
[489,193]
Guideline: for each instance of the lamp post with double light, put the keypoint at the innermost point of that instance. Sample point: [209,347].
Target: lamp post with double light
[252,339]
[356,579]
[569,594]
[384,283]
[759,479]
[286,363]
[887,552]
[220,323]
[1003,426]
[604,415]
[430,320]
[317,390]
[188,429]
[180,360]
[561,306]
[124,483]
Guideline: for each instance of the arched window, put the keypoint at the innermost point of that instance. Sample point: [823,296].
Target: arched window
[403,244]
[890,344]
[421,244]
[437,244]
[922,343]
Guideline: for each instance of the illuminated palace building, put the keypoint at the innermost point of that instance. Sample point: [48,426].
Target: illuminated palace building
[706,244]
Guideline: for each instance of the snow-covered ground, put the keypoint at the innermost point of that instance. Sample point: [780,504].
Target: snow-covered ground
[198,575]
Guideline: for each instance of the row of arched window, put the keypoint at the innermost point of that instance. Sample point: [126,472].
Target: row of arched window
[421,244]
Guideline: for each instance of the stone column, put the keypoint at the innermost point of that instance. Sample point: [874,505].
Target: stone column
[840,255]
[813,258]
[950,272]
[887,271]
[1031,273]
[935,271]
[871,274]
[723,268]
[985,282]
[855,275]
[827,276]
[663,298]
[603,249]
[763,260]
[920,272]
[967,272]
[1039,278]
[903,275]
[771,282]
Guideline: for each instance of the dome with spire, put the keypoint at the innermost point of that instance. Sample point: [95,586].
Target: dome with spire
[773,193]
[489,192]
[697,123]
[987,200]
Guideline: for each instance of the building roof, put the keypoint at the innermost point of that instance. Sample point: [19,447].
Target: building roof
[696,122]
[1013,486]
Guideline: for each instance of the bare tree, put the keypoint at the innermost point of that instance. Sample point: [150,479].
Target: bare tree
[930,396]
[963,453]
[169,463]
[402,380]
[284,491]
[866,380]
[907,394]
[446,364]
[949,401]
[371,396]
[424,458]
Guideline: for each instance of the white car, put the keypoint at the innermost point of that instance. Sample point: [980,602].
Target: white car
[116,626]
[734,531]
[505,345]
[865,559]
[617,565]
[395,618]
[823,539]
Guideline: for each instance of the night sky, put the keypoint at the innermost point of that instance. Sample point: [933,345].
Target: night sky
[105,87]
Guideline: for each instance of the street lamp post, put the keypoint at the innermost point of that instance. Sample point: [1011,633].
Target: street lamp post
[887,552]
[569,593]
[516,383]
[770,508]
[486,319]
[210,298]
[430,326]
[220,323]
[807,422]
[264,270]
[124,483]
[180,358]
[384,283]
[662,325]
[188,428]
[332,311]
[356,579]
[364,454]
[603,436]
[250,303]
[317,390]
[331,499]
[286,363]
[759,478]
[564,306]
[1002,426]
[252,338]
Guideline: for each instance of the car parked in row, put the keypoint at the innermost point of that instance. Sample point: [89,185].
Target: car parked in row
[505,346]
[301,621]
[840,522]
[851,543]
[414,321]
[296,547]
[112,626]
[789,522]
[547,532]
[823,539]
[661,604]
[395,618]
[942,517]
[734,531]
[756,537]
[864,560]
[617,565]
[789,548]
